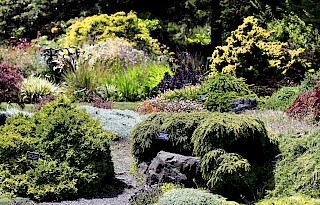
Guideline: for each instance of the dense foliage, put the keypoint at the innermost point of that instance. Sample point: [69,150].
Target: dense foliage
[306,104]
[297,169]
[9,84]
[191,197]
[249,54]
[103,26]
[221,89]
[74,154]
[282,99]
[237,155]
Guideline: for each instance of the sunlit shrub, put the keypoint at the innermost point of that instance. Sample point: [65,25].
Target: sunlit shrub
[250,55]
[120,24]
[74,153]
[33,88]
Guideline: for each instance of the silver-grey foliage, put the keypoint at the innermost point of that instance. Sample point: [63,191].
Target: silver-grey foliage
[119,122]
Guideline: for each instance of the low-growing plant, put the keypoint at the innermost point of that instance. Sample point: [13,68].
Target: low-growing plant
[189,92]
[295,199]
[297,168]
[150,195]
[75,157]
[306,104]
[178,126]
[282,99]
[10,81]
[119,122]
[221,89]
[162,105]
[188,196]
[309,81]
[34,88]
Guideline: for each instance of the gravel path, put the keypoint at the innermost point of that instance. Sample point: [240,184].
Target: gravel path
[122,188]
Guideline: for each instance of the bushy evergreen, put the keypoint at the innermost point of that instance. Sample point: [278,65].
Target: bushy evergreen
[74,153]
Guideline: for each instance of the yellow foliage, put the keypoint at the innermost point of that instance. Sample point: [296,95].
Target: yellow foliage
[102,27]
[249,53]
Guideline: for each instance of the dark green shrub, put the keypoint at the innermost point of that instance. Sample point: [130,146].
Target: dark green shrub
[221,89]
[74,153]
[188,196]
[179,126]
[282,99]
[144,135]
[297,169]
[309,82]
[236,155]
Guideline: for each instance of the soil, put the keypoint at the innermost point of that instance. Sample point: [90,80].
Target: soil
[123,186]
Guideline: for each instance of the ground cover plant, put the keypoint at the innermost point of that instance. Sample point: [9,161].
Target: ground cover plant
[119,122]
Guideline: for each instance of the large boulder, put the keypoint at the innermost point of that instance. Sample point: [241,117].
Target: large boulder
[174,168]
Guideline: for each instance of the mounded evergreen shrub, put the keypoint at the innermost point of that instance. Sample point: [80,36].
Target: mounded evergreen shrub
[221,89]
[104,26]
[179,127]
[188,196]
[250,54]
[236,155]
[75,157]
[298,166]
[282,99]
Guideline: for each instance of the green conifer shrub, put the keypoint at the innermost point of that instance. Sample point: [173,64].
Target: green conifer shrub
[236,155]
[221,89]
[297,168]
[282,99]
[120,24]
[75,158]
[179,126]
[249,54]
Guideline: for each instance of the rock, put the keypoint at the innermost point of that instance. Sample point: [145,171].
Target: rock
[142,168]
[168,167]
[3,117]
[240,105]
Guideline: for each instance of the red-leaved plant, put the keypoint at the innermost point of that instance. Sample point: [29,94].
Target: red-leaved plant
[306,103]
[10,81]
